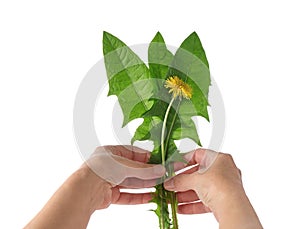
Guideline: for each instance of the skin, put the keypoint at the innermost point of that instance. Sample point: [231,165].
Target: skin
[220,189]
[84,192]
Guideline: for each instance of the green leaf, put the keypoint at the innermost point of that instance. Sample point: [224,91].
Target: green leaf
[149,129]
[179,123]
[190,64]
[128,78]
[159,57]
[141,94]
[186,129]
[193,45]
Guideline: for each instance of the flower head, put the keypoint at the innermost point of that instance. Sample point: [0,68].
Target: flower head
[178,88]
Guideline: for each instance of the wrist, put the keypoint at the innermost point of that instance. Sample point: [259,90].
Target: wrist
[222,199]
[234,208]
[231,196]
[95,191]
[74,202]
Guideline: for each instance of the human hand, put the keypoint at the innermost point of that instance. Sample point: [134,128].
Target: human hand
[219,188]
[221,177]
[97,184]
[122,167]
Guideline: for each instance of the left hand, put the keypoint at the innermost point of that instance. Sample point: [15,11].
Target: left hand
[120,167]
[97,184]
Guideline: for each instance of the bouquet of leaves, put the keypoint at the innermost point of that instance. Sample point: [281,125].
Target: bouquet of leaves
[167,92]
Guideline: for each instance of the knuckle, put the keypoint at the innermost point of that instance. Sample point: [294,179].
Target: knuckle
[240,172]
[226,157]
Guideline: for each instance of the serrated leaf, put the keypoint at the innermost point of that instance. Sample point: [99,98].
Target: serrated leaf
[176,157]
[141,93]
[159,57]
[191,65]
[128,78]
[186,129]
[149,129]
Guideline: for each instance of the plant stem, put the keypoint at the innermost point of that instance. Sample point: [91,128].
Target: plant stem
[173,201]
[164,219]
[170,172]
[162,141]
[171,126]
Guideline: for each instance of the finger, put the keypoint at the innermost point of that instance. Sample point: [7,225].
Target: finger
[182,182]
[179,165]
[203,157]
[188,170]
[144,171]
[192,158]
[131,163]
[138,169]
[188,196]
[115,169]
[193,208]
[133,182]
[133,198]
[131,152]
[195,156]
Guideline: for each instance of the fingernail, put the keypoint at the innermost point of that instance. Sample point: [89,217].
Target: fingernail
[169,184]
[159,170]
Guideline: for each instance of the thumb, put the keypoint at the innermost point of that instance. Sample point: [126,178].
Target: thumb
[182,183]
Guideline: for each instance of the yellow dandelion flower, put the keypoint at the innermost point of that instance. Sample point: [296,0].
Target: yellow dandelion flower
[178,88]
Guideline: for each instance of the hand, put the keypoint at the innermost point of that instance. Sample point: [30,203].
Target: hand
[123,167]
[96,187]
[219,188]
[222,176]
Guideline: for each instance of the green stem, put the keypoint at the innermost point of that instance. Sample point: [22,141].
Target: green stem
[162,141]
[173,202]
[164,219]
[170,172]
[171,127]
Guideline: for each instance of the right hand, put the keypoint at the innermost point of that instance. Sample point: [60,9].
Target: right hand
[220,179]
[219,188]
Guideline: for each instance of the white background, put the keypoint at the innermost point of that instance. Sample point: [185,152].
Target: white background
[46,48]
